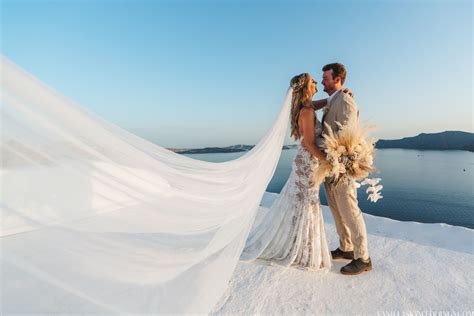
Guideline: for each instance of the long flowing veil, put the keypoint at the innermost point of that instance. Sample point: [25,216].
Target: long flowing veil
[96,219]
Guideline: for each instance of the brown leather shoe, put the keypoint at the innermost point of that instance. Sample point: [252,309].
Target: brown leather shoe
[356,266]
[339,254]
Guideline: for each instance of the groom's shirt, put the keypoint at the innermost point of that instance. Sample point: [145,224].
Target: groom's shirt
[332,96]
[329,103]
[341,108]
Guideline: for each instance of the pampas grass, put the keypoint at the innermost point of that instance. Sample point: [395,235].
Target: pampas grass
[350,154]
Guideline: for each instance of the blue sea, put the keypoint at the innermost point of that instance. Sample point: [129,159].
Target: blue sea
[425,186]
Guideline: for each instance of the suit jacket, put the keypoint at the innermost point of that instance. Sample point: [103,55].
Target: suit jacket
[342,109]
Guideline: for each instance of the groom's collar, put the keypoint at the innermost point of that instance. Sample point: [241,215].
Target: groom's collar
[333,95]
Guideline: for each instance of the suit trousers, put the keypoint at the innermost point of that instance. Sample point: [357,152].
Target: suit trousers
[348,218]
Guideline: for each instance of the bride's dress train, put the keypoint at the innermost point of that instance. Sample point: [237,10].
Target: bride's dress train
[292,232]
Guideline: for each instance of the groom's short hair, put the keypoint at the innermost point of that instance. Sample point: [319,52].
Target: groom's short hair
[338,70]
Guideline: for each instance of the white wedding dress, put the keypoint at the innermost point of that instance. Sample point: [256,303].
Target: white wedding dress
[292,232]
[94,219]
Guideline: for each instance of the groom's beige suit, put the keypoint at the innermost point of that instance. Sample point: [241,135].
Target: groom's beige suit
[342,199]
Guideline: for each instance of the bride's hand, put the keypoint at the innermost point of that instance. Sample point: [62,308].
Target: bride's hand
[349,92]
[321,159]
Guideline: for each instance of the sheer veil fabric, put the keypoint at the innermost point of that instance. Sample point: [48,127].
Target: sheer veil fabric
[291,231]
[95,219]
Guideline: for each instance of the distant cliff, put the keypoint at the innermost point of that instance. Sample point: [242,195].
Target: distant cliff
[228,149]
[449,140]
[209,150]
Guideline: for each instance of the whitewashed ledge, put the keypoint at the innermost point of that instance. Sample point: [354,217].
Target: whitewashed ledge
[418,269]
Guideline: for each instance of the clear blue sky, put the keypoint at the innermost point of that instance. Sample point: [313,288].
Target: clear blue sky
[214,73]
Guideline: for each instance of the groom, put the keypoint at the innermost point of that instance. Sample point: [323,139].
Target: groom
[342,199]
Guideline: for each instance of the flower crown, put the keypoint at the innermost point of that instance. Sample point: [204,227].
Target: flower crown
[299,82]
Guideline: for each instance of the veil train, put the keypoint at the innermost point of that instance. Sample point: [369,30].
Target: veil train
[97,219]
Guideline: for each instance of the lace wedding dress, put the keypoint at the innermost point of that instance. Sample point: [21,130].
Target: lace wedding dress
[292,231]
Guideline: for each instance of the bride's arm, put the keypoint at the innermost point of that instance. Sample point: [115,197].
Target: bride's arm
[319,104]
[307,122]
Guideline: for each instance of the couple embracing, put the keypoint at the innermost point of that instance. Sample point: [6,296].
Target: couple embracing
[297,236]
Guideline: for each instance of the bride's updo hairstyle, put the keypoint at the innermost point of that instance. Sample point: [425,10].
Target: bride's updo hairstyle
[301,96]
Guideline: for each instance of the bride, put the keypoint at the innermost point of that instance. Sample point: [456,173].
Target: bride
[293,233]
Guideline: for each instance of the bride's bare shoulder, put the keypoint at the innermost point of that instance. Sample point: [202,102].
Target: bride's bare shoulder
[306,120]
[306,113]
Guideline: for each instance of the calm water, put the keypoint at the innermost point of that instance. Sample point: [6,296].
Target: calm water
[419,185]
